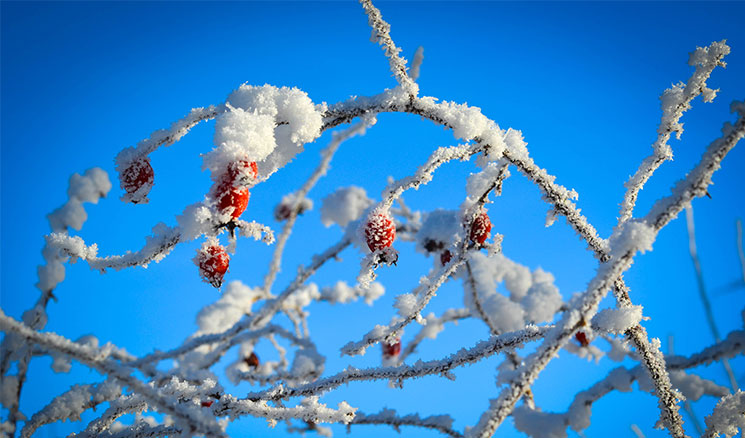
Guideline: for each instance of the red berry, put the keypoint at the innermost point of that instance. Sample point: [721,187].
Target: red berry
[581,337]
[380,232]
[480,228]
[206,404]
[242,172]
[213,264]
[231,200]
[252,360]
[391,350]
[139,175]
[445,257]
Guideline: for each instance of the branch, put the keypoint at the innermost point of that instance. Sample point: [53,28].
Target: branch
[382,34]
[434,326]
[97,359]
[675,101]
[440,423]
[465,356]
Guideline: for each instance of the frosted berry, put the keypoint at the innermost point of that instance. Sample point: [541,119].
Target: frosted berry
[252,360]
[445,257]
[380,232]
[391,350]
[138,178]
[480,228]
[242,172]
[581,337]
[213,264]
[231,200]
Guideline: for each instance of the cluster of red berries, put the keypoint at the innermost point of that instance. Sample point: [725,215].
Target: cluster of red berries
[137,175]
[480,228]
[380,232]
[213,263]
[231,192]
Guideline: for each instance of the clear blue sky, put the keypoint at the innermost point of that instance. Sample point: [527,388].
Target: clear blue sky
[82,80]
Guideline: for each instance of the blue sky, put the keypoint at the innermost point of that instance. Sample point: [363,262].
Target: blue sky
[82,80]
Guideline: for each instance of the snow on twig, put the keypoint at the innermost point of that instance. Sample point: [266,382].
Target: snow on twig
[675,101]
[440,423]
[382,35]
[98,359]
[480,351]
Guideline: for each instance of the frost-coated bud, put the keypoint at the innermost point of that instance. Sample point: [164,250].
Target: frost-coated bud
[480,228]
[213,263]
[380,231]
[137,180]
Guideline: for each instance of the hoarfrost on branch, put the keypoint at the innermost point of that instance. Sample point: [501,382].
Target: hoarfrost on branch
[258,130]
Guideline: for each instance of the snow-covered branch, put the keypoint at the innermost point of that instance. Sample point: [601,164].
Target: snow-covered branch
[675,101]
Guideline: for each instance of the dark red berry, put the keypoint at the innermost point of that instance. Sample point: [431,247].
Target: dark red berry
[445,257]
[480,228]
[391,350]
[252,360]
[380,232]
[138,175]
[206,404]
[213,264]
[581,337]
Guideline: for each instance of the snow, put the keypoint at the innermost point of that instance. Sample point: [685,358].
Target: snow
[236,301]
[619,320]
[727,417]
[342,293]
[438,231]
[344,205]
